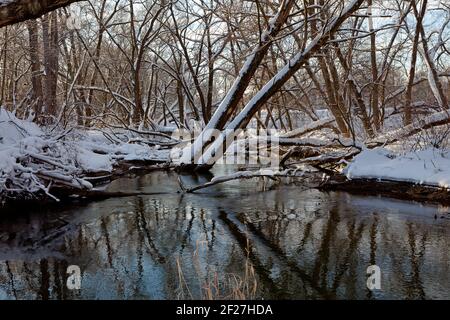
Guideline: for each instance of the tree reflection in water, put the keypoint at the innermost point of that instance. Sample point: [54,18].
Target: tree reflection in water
[302,244]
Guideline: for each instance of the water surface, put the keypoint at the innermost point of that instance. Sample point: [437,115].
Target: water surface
[227,241]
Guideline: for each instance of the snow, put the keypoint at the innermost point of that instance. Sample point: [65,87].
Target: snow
[32,159]
[138,152]
[13,130]
[5,2]
[235,175]
[7,161]
[308,128]
[90,161]
[428,167]
[403,132]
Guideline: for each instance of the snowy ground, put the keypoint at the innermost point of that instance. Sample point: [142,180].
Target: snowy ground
[428,167]
[33,159]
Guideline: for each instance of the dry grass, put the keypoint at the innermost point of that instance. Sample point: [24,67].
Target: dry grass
[217,286]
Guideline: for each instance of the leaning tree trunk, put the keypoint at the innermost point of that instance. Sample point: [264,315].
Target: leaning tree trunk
[412,71]
[433,76]
[231,101]
[20,10]
[272,86]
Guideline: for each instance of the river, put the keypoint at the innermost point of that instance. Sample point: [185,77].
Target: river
[229,241]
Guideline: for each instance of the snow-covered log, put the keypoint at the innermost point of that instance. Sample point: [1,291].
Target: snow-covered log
[313,126]
[262,173]
[434,120]
[336,156]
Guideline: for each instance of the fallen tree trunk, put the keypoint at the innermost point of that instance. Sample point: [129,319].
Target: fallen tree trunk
[389,188]
[434,120]
[102,194]
[234,95]
[307,149]
[315,159]
[263,173]
[212,153]
[314,126]
[222,179]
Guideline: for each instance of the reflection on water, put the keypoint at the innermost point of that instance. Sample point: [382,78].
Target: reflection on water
[303,244]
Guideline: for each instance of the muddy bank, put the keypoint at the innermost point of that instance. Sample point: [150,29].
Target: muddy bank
[389,188]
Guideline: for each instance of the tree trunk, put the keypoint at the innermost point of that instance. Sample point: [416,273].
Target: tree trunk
[20,10]
[275,84]
[230,103]
[51,62]
[332,95]
[412,72]
[373,57]
[36,78]
[433,76]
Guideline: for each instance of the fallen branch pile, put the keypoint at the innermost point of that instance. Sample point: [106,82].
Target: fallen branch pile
[34,163]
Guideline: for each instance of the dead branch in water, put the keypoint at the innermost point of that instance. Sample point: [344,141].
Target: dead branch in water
[101,194]
[269,174]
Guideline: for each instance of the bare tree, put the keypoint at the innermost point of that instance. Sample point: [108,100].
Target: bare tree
[51,61]
[36,77]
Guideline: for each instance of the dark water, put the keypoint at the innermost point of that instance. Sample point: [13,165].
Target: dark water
[227,241]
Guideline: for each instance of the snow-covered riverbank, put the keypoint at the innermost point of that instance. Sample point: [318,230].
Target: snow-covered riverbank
[35,159]
[425,167]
